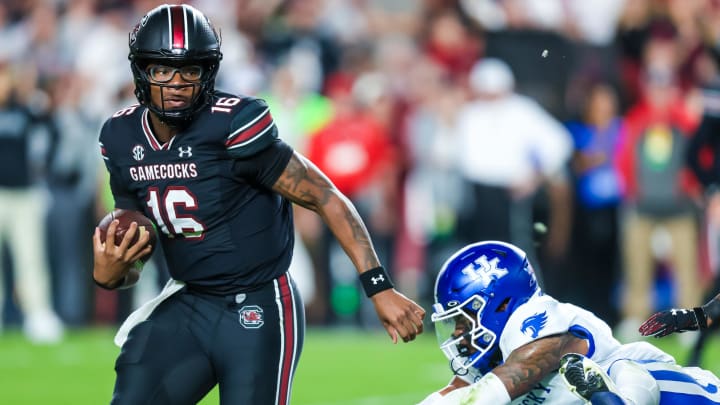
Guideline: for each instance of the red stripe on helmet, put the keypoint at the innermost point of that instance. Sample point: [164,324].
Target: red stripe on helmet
[177,19]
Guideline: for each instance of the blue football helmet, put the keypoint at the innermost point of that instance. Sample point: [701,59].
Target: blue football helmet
[476,291]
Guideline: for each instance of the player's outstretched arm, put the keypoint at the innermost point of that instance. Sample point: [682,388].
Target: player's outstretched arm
[304,184]
[673,320]
[524,368]
[113,265]
[529,364]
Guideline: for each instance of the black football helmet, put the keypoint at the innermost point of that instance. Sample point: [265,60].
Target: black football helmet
[175,35]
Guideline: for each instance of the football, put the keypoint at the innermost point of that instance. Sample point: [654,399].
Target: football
[126,217]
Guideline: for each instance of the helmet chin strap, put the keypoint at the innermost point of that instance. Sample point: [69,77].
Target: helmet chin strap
[470,374]
[457,368]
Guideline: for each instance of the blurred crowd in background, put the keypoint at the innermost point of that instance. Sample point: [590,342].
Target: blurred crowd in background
[568,127]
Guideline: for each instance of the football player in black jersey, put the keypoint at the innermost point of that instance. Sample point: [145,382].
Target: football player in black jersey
[209,169]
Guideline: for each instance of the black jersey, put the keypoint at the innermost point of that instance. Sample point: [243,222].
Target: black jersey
[208,190]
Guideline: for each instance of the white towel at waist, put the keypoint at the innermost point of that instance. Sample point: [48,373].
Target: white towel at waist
[145,310]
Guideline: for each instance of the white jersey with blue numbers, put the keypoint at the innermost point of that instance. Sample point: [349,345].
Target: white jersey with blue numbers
[543,316]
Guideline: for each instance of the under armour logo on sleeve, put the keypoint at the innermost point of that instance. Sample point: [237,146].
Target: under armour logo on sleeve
[378,279]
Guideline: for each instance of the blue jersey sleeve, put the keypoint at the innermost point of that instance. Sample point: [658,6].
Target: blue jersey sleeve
[252,130]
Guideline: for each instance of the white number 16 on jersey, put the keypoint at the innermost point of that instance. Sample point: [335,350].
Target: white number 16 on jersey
[164,209]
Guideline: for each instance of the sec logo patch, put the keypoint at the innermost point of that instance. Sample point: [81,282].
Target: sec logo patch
[251,317]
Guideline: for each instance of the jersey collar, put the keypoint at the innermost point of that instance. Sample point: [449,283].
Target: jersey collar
[150,136]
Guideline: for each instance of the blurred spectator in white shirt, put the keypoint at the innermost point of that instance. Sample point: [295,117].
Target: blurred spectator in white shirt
[510,148]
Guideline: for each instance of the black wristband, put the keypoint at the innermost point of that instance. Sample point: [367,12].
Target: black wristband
[700,316]
[375,280]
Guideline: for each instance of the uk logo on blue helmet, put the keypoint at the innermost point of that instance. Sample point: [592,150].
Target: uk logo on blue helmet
[476,291]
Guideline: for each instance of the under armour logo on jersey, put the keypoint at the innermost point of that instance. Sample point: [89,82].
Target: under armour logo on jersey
[187,152]
[484,269]
[138,153]
[534,324]
[378,279]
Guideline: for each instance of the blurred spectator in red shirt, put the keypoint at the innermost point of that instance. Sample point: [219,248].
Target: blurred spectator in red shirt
[353,149]
[356,152]
[659,189]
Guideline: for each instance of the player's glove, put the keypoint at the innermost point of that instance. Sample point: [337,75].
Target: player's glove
[666,322]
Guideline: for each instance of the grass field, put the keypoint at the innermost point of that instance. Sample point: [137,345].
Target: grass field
[337,367]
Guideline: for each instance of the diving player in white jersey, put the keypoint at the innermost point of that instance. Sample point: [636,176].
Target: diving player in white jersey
[507,342]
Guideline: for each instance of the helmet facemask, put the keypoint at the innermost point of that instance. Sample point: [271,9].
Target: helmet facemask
[201,94]
[468,345]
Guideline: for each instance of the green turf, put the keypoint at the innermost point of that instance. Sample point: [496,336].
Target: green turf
[337,367]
